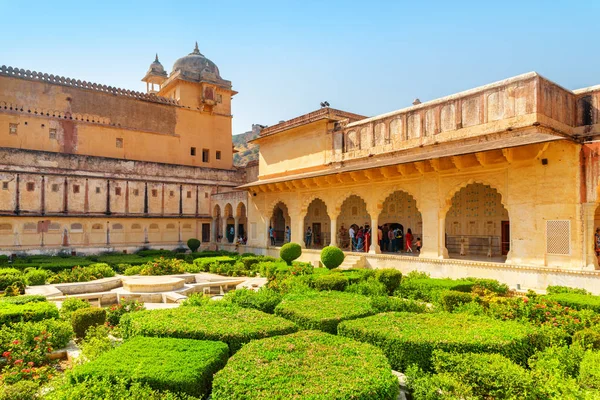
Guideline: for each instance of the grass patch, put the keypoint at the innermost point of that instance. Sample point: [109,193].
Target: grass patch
[577,301]
[306,365]
[32,311]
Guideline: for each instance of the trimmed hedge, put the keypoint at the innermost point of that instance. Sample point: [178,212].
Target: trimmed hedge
[330,282]
[8,276]
[84,318]
[332,257]
[429,289]
[232,325]
[408,338]
[323,310]
[29,298]
[204,263]
[451,299]
[193,244]
[589,370]
[178,365]
[565,289]
[306,365]
[60,333]
[391,278]
[32,311]
[289,252]
[577,301]
[387,303]
[264,299]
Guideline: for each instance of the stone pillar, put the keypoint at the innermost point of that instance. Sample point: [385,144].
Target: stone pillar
[224,231]
[214,229]
[374,249]
[589,254]
[236,221]
[297,228]
[333,228]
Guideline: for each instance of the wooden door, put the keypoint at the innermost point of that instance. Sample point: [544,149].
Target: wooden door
[205,233]
[505,239]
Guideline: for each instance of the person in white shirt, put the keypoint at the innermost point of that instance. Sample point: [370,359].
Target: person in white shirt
[352,234]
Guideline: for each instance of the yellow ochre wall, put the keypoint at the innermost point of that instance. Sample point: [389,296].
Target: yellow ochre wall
[94,120]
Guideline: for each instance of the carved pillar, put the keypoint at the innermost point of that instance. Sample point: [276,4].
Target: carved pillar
[224,231]
[296,225]
[374,247]
[333,234]
[236,221]
[214,229]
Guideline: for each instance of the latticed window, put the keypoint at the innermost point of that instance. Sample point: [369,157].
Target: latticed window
[558,237]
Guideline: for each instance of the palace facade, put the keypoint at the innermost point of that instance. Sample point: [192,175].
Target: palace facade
[88,167]
[498,181]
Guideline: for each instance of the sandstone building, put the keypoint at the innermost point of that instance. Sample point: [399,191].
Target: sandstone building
[497,180]
[90,167]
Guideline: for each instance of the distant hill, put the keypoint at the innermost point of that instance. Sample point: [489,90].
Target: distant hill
[246,152]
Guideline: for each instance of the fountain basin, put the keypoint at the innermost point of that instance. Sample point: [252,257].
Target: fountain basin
[152,284]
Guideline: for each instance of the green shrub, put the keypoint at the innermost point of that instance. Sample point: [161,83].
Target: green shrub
[356,275]
[451,299]
[335,281]
[116,311]
[205,262]
[429,289]
[114,388]
[588,338]
[386,304]
[332,257]
[577,301]
[491,285]
[565,289]
[232,325]
[264,299]
[33,311]
[16,289]
[84,318]
[426,386]
[154,253]
[391,278]
[555,371]
[8,276]
[489,375]
[133,270]
[408,338]
[193,244]
[289,252]
[60,332]
[306,365]
[323,310]
[178,365]
[163,266]
[370,287]
[72,304]
[589,370]
[82,274]
[30,298]
[21,390]
[36,277]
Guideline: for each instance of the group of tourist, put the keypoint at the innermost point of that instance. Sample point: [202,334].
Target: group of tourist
[392,240]
[273,235]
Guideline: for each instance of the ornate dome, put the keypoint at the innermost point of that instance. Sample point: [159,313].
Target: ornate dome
[156,68]
[195,66]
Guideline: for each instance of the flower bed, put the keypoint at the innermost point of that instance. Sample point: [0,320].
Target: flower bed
[178,365]
[409,338]
[232,325]
[306,365]
[32,311]
[323,310]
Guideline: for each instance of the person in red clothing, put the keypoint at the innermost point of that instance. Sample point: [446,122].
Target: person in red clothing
[409,239]
[367,238]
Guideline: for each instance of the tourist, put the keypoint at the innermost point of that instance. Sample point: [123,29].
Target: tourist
[386,238]
[418,244]
[308,238]
[597,242]
[398,235]
[380,237]
[360,237]
[409,238]
[367,238]
[272,235]
[391,242]
[288,234]
[352,233]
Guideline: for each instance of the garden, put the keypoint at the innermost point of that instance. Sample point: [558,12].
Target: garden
[308,333]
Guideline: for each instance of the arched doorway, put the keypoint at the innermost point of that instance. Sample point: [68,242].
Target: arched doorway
[241,220]
[477,224]
[399,214]
[217,223]
[317,219]
[353,214]
[229,223]
[280,219]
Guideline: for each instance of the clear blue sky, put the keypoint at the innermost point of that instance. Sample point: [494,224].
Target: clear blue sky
[285,57]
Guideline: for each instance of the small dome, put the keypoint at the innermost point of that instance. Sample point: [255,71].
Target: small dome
[156,68]
[196,66]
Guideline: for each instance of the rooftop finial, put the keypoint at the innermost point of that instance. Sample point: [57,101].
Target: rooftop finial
[196,50]
[156,59]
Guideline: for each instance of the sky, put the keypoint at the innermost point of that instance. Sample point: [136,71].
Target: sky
[285,57]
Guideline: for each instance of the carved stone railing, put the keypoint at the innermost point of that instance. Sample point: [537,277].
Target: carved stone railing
[61,80]
[516,103]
